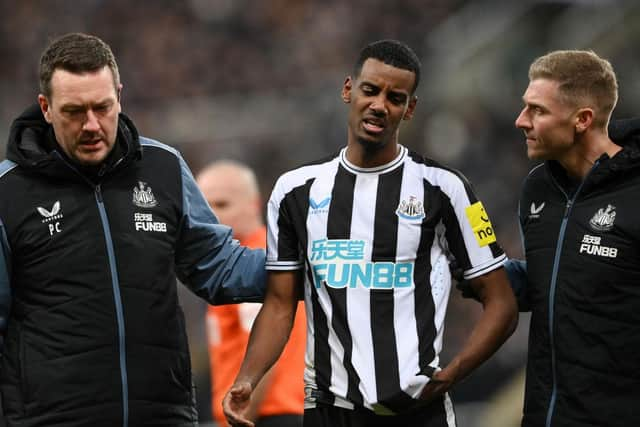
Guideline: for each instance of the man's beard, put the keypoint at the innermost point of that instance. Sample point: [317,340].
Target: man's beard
[371,147]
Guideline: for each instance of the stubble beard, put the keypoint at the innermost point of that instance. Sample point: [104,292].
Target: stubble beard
[371,147]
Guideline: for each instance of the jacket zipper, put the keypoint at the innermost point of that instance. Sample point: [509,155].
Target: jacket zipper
[552,287]
[118,304]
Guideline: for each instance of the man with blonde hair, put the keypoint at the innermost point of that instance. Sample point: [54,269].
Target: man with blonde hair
[232,191]
[584,79]
[578,214]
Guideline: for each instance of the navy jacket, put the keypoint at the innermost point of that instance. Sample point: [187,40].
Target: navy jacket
[89,317]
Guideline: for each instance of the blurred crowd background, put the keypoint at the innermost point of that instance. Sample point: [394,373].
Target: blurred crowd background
[259,81]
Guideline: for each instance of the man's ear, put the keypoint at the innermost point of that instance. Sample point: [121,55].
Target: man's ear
[346,90]
[45,107]
[408,114]
[119,97]
[584,119]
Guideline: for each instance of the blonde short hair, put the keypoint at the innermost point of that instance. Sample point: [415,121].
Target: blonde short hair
[585,80]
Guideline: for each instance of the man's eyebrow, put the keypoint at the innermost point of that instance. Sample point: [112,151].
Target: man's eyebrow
[105,101]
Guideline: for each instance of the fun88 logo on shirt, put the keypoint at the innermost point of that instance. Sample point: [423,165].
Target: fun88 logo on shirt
[340,264]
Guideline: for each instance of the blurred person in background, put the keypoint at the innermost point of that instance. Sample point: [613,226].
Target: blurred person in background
[366,235]
[232,191]
[578,213]
[96,222]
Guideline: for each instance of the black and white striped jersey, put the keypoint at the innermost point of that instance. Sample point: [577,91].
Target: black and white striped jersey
[375,245]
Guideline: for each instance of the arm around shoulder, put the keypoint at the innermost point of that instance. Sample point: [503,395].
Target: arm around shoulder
[208,260]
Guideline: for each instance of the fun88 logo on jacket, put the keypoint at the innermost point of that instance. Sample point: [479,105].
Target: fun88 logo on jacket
[341,264]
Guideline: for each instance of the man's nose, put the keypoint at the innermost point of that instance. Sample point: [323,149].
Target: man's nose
[91,123]
[379,106]
[522,121]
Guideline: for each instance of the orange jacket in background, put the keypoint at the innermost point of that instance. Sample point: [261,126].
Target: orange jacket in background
[228,329]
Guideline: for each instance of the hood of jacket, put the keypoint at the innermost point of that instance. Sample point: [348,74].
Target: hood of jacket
[28,146]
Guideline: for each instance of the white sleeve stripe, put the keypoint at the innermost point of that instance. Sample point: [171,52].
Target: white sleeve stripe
[277,262]
[283,266]
[479,270]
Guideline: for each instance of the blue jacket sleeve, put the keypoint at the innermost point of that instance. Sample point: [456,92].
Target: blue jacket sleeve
[5,283]
[517,272]
[208,260]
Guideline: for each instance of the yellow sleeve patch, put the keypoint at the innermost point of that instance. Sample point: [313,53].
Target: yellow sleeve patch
[480,224]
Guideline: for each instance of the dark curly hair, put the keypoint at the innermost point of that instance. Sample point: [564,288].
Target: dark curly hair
[391,52]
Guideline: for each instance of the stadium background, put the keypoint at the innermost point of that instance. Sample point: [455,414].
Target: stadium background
[259,81]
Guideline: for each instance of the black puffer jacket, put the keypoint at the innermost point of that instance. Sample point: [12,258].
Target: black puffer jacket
[582,248]
[93,334]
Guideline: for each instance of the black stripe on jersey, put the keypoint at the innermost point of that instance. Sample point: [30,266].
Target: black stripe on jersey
[341,206]
[424,306]
[292,234]
[496,250]
[385,239]
[385,233]
[322,352]
[297,200]
[453,233]
[339,227]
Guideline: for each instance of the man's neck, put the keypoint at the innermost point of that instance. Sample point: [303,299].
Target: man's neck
[585,152]
[368,156]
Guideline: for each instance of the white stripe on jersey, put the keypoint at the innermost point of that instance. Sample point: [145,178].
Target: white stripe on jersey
[448,408]
[440,279]
[404,301]
[359,313]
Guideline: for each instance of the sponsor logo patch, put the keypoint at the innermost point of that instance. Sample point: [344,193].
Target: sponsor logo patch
[319,207]
[145,222]
[480,224]
[340,264]
[591,245]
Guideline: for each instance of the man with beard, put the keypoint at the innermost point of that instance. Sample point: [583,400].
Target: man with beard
[96,223]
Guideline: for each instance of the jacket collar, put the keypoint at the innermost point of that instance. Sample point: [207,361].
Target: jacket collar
[625,133]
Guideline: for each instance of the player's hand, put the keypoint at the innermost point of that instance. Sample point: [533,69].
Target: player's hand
[236,404]
[440,383]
